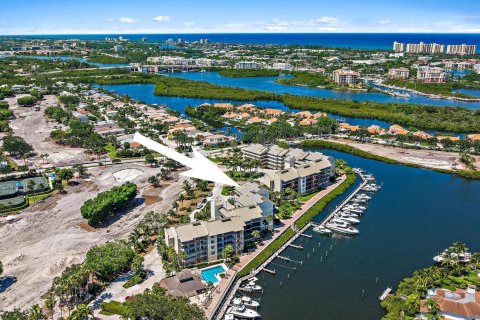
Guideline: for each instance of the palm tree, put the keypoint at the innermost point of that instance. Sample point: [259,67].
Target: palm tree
[255,234]
[433,308]
[82,312]
[35,313]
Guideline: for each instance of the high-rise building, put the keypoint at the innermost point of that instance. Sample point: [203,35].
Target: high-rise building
[398,46]
[461,49]
[247,65]
[425,48]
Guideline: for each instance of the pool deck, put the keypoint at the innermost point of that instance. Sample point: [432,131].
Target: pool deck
[226,282]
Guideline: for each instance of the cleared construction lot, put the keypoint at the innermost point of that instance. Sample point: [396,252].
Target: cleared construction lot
[35,129]
[37,245]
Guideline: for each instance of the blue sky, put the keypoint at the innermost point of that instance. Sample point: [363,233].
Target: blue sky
[189,16]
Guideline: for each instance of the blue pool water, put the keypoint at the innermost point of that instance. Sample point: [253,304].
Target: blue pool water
[209,274]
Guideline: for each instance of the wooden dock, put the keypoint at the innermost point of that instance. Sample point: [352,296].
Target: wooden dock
[309,236]
[269,271]
[296,246]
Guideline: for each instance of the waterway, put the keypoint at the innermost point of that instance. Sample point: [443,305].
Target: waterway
[65,58]
[269,84]
[144,92]
[412,218]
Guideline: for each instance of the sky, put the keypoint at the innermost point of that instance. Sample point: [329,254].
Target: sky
[235,16]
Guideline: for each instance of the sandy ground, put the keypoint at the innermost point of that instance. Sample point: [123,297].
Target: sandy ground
[35,129]
[426,158]
[39,243]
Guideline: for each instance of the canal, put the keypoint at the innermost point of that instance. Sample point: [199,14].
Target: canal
[269,84]
[415,215]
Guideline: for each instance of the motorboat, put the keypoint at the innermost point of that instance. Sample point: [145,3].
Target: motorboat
[252,279]
[229,316]
[461,257]
[243,312]
[339,222]
[349,219]
[364,196]
[353,209]
[322,230]
[251,286]
[247,301]
[341,229]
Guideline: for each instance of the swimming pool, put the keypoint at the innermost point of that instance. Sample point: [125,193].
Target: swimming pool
[211,274]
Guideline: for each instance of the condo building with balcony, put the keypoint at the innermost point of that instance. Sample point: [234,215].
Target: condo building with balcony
[345,77]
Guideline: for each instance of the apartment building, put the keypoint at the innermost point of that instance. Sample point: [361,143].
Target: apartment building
[461,49]
[204,241]
[398,46]
[399,73]
[431,75]
[345,76]
[304,178]
[459,64]
[430,48]
[247,65]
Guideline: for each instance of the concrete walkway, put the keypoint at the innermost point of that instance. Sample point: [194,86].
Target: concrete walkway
[116,291]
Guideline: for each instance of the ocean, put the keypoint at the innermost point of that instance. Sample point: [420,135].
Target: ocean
[380,41]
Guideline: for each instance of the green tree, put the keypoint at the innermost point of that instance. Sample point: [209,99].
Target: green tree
[16,145]
[82,312]
[36,313]
[255,234]
[155,305]
[110,259]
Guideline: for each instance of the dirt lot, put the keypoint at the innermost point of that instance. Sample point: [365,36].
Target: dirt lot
[39,243]
[34,128]
[426,158]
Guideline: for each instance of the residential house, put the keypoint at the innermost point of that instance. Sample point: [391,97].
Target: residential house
[455,305]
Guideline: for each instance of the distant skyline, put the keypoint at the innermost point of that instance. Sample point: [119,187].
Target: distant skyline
[32,17]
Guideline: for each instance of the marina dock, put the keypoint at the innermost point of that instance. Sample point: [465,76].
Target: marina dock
[222,308]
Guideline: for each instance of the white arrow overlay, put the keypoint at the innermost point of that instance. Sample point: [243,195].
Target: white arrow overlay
[201,167]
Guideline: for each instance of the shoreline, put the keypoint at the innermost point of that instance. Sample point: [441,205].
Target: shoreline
[355,149]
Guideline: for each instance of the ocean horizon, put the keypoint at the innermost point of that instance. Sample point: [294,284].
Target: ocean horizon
[372,41]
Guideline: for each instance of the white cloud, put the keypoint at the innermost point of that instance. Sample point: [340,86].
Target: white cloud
[161,18]
[127,20]
[385,22]
[328,20]
[189,23]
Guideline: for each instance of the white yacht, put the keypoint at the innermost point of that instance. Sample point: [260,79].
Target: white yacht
[339,222]
[247,301]
[322,230]
[349,219]
[341,229]
[243,312]
[229,316]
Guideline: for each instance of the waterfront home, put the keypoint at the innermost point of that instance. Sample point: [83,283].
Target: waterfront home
[343,126]
[422,135]
[183,284]
[319,115]
[455,305]
[396,129]
[475,136]
[304,114]
[223,105]
[451,138]
[374,129]
[248,107]
[272,112]
[107,128]
[186,127]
